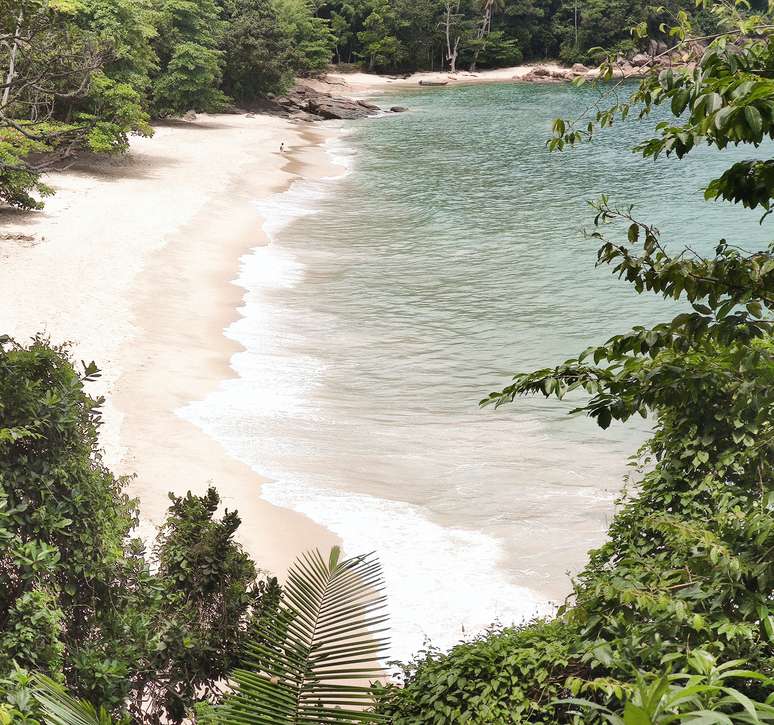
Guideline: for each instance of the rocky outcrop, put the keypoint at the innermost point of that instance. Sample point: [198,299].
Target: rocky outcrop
[305,103]
[541,74]
[398,109]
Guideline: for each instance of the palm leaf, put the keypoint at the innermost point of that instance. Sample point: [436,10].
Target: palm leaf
[308,656]
[59,708]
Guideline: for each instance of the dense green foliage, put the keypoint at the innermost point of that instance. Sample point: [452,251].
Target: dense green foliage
[79,598]
[673,617]
[84,74]
[688,564]
[507,676]
[702,695]
[258,53]
[396,34]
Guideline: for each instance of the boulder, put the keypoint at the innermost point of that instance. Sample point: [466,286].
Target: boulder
[657,47]
[304,103]
[398,109]
[640,60]
[540,71]
[249,115]
[318,104]
[533,77]
[337,108]
[189,116]
[304,116]
[579,68]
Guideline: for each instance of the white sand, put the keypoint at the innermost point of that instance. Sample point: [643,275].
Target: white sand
[355,83]
[132,262]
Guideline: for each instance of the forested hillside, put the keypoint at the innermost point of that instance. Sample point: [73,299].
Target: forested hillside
[434,34]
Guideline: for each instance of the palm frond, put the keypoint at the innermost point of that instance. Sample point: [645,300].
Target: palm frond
[307,657]
[59,708]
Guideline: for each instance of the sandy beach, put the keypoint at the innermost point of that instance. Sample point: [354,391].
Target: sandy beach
[132,262]
[366,83]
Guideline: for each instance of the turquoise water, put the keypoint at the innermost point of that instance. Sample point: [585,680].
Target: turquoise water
[393,299]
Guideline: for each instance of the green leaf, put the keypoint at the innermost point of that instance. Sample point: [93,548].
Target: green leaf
[754,120]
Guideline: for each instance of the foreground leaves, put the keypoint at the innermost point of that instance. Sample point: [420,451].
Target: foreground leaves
[308,655]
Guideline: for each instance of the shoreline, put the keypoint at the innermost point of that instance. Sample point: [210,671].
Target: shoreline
[354,83]
[273,536]
[362,82]
[139,258]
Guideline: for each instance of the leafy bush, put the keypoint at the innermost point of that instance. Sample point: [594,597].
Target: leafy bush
[512,675]
[704,694]
[79,599]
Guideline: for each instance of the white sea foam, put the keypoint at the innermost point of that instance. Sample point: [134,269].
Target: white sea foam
[443,583]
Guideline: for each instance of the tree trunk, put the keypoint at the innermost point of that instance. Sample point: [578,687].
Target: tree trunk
[484,29]
[12,60]
[451,52]
[453,58]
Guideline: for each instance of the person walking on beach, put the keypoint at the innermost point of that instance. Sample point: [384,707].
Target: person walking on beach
[282,147]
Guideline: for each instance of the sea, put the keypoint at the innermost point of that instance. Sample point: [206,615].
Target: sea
[449,252]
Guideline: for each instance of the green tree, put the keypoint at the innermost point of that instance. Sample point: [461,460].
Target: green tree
[189,33]
[210,595]
[257,50]
[56,99]
[378,38]
[79,598]
[64,521]
[311,37]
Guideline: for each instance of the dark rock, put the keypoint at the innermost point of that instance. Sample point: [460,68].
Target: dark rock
[338,108]
[640,60]
[250,115]
[303,103]
[543,76]
[305,116]
[398,109]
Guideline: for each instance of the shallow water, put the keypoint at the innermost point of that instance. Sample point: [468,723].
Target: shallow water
[393,299]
